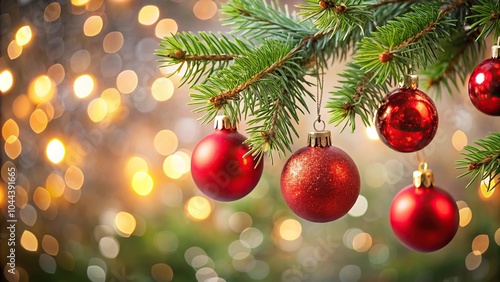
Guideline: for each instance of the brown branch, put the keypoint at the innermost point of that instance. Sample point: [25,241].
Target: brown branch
[270,133]
[183,56]
[486,161]
[231,94]
[430,27]
[360,89]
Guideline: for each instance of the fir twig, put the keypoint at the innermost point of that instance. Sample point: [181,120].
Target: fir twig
[200,55]
[358,95]
[330,15]
[483,160]
[409,40]
[230,94]
[262,19]
[455,64]
[487,16]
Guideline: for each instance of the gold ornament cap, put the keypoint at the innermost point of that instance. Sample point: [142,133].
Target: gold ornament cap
[319,138]
[410,81]
[423,177]
[224,122]
[495,51]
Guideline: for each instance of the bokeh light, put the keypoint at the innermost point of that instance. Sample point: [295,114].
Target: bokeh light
[29,241]
[205,9]
[136,164]
[166,27]
[50,245]
[12,147]
[480,244]
[38,121]
[92,26]
[162,89]
[465,213]
[55,151]
[459,140]
[112,99]
[83,86]
[79,2]
[198,208]
[109,247]
[127,81]
[41,198]
[6,81]
[176,165]
[57,73]
[125,224]
[74,178]
[485,187]
[472,261]
[142,183]
[52,12]
[112,42]
[97,109]
[23,35]
[148,15]
[165,143]
[22,107]
[290,229]
[10,128]
[55,185]
[41,89]
[14,50]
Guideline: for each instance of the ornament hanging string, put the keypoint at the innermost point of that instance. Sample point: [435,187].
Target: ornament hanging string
[422,165]
[319,92]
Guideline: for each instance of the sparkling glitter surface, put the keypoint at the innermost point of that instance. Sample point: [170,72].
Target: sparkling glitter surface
[320,184]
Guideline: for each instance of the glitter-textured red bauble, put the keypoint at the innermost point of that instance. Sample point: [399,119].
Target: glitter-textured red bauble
[219,169]
[424,219]
[407,120]
[484,87]
[320,184]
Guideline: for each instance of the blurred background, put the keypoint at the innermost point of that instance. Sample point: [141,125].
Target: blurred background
[102,139]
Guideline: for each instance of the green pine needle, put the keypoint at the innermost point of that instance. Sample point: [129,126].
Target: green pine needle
[483,160]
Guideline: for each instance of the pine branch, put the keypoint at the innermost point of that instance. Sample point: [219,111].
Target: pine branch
[221,98]
[409,40]
[253,80]
[482,161]
[339,16]
[358,95]
[487,17]
[455,64]
[201,55]
[271,129]
[260,19]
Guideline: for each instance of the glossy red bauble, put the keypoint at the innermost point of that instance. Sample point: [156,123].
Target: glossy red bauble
[407,120]
[424,219]
[484,87]
[320,184]
[219,169]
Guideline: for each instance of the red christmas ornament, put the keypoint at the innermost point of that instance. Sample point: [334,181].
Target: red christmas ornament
[218,167]
[320,182]
[407,120]
[423,217]
[484,84]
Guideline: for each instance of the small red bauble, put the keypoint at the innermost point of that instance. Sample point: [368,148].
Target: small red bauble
[484,87]
[218,167]
[424,218]
[407,120]
[320,182]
